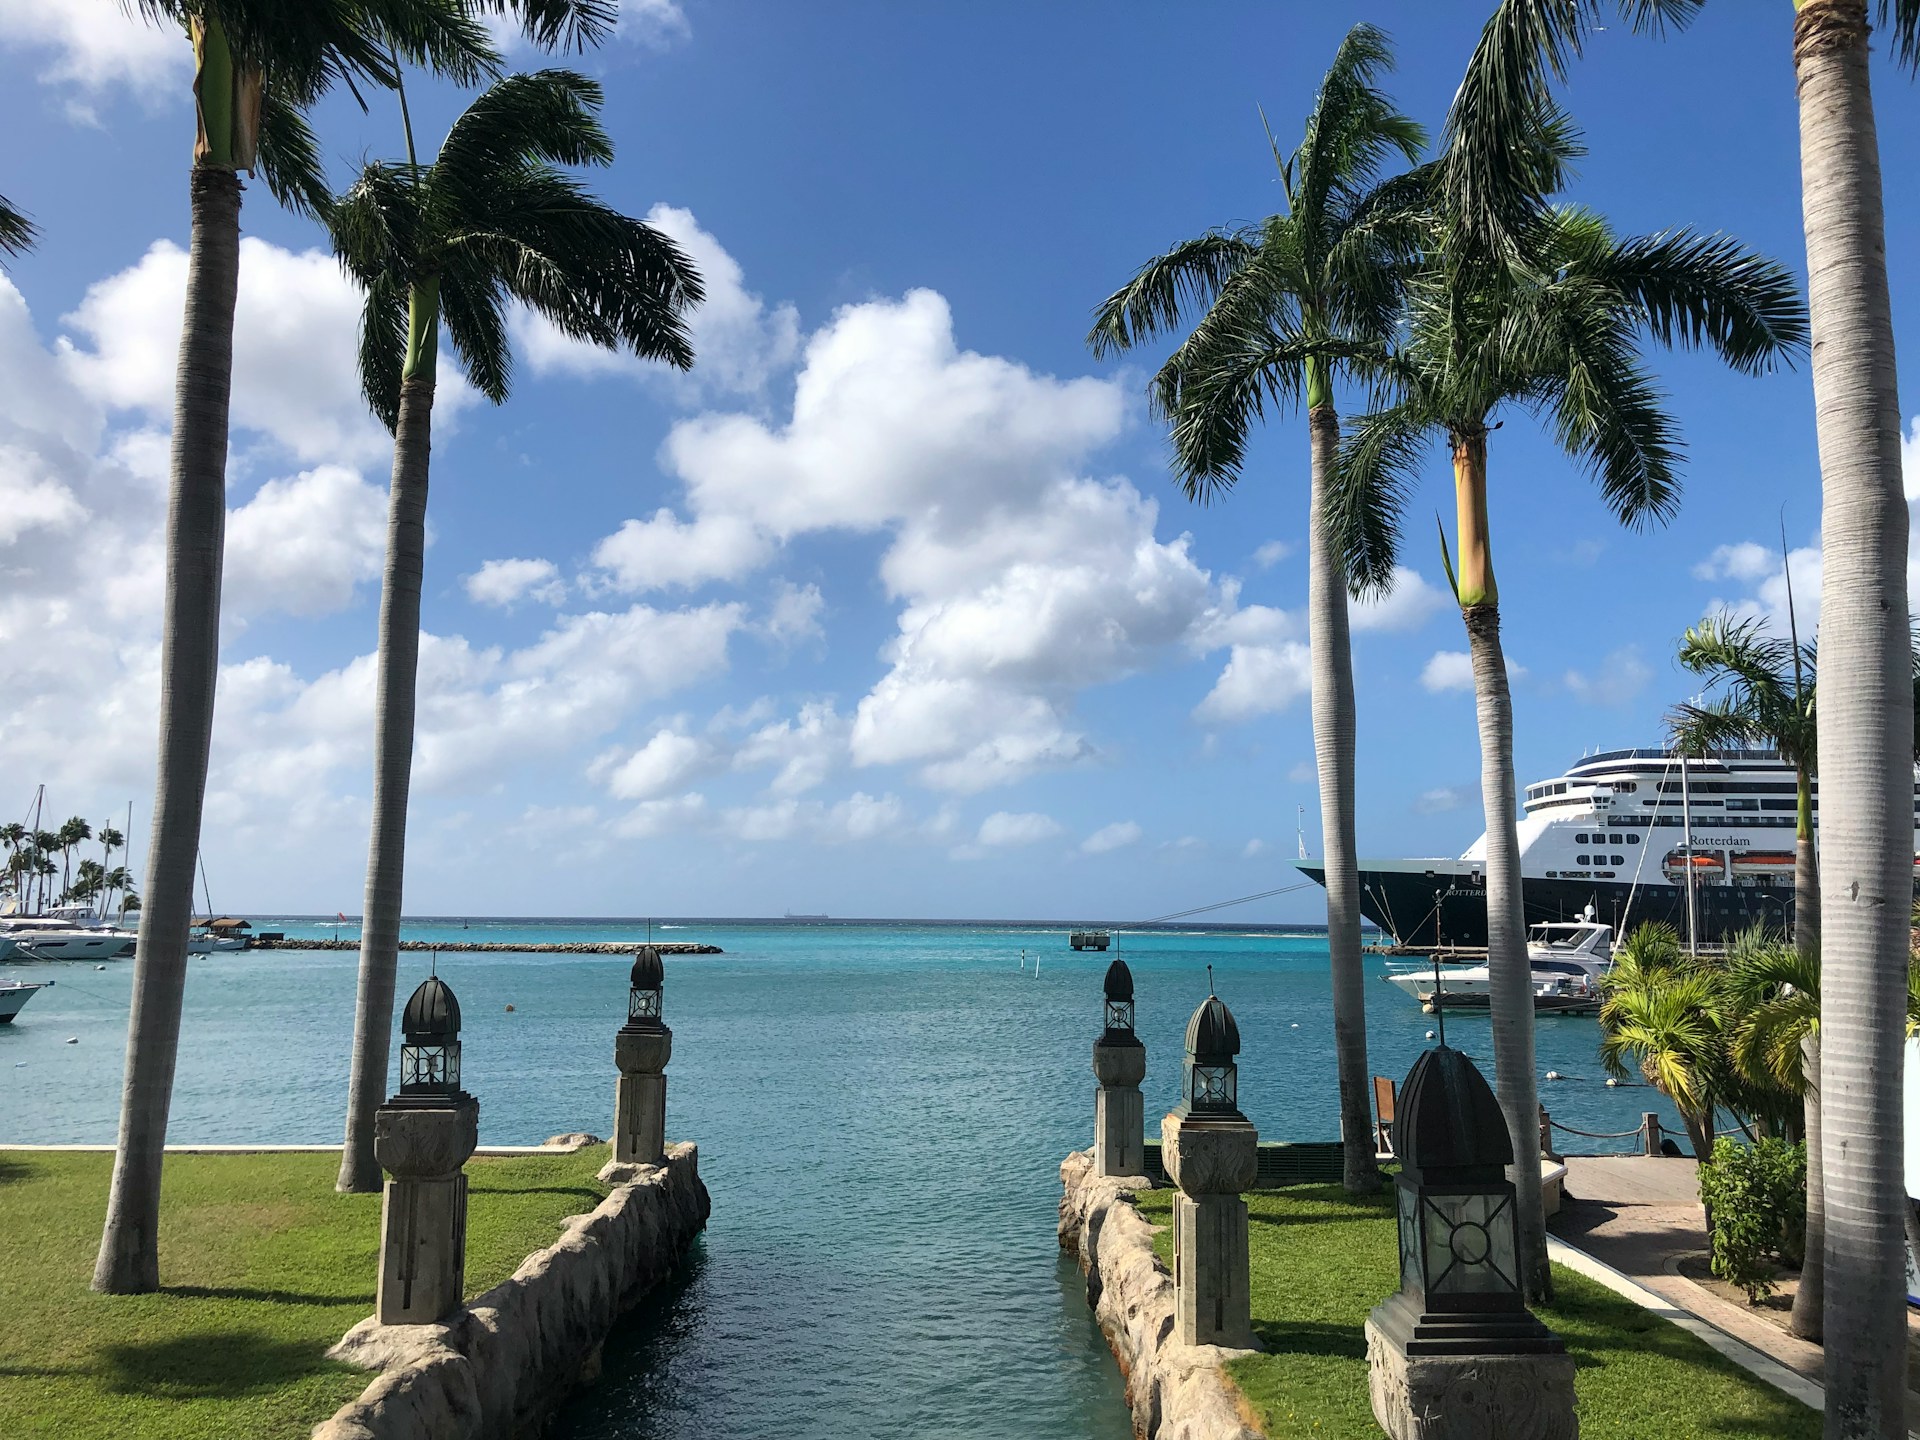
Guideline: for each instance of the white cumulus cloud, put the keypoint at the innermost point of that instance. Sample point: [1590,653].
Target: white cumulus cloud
[1111,837]
[1008,828]
[505,583]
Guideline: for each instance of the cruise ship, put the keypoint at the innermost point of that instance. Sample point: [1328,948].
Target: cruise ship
[1613,840]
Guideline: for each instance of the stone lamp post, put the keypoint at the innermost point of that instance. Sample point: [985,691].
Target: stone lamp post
[641,1050]
[1211,1152]
[1120,1064]
[1455,1352]
[422,1137]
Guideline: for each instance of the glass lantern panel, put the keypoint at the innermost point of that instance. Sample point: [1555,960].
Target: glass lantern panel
[1469,1245]
[1119,1015]
[1213,1086]
[432,1065]
[1409,1238]
[643,1005]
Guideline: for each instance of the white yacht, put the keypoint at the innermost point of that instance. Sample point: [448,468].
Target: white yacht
[13,995]
[67,933]
[1567,960]
[1618,836]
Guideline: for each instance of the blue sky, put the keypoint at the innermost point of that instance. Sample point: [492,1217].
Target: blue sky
[891,607]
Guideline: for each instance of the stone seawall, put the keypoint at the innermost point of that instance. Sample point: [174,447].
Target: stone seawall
[467,947]
[1178,1392]
[498,1368]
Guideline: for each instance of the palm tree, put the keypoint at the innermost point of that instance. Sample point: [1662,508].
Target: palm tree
[1863,747]
[14,836]
[110,840]
[257,65]
[1660,1015]
[17,232]
[1292,306]
[1765,696]
[1556,329]
[45,843]
[492,219]
[74,832]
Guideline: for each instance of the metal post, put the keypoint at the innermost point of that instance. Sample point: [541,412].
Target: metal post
[1650,1133]
[1686,828]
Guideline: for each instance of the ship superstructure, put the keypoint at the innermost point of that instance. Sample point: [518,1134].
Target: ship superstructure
[1616,838]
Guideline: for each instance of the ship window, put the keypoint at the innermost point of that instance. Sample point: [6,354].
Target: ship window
[1619,859]
[1615,840]
[1779,804]
[1743,804]
[1581,838]
[1582,859]
[1633,839]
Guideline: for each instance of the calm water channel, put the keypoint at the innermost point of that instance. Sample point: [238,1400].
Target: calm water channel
[881,1112]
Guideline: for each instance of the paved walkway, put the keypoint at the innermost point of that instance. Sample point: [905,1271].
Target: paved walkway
[1638,1215]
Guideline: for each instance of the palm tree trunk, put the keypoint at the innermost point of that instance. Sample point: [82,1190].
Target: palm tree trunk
[1333,745]
[1810,1299]
[129,1261]
[1866,742]
[1699,1134]
[1510,980]
[1806,875]
[392,777]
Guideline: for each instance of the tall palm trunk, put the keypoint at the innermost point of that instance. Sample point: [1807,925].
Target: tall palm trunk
[1866,741]
[1510,979]
[392,776]
[1333,745]
[1810,1298]
[129,1261]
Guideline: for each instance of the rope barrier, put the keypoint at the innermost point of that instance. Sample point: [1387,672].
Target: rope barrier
[1596,1135]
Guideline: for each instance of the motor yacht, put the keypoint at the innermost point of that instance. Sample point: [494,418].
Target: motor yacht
[1567,960]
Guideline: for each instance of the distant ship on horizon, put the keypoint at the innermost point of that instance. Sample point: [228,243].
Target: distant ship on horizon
[1615,840]
[792,916]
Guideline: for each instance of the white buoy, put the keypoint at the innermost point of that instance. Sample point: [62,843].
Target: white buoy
[1611,1082]
[99,967]
[1429,1034]
[1553,1074]
[73,1040]
[1294,1026]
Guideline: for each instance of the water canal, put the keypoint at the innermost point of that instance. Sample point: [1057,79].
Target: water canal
[881,1112]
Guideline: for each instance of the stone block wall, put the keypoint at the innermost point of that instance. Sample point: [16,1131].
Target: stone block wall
[499,1367]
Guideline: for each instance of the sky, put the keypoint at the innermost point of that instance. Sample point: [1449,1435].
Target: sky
[890,607]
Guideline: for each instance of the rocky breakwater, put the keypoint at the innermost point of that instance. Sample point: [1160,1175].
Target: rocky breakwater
[1178,1392]
[452,947]
[498,1368]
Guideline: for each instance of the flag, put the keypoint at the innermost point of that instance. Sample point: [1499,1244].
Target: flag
[341,915]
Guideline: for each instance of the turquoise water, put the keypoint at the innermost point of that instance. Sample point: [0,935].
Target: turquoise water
[881,1111]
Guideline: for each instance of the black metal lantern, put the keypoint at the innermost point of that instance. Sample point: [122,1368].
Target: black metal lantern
[1119,1005]
[643,989]
[430,1048]
[1212,1082]
[1460,1291]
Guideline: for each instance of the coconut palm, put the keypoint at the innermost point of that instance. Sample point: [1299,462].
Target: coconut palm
[1557,330]
[17,232]
[110,840]
[74,832]
[494,218]
[257,65]
[1864,526]
[1292,306]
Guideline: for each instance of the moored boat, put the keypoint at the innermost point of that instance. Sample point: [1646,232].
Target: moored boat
[13,995]
[1567,961]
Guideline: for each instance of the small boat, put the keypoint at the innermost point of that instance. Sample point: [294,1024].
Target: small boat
[1567,960]
[1089,940]
[13,995]
[792,916]
[68,933]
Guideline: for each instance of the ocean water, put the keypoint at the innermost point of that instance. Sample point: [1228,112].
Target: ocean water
[881,1111]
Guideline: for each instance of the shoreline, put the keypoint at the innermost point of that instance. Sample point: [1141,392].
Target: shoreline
[532,947]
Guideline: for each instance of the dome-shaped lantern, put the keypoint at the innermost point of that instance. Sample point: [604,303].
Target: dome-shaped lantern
[1212,1077]
[430,1043]
[644,988]
[1119,1005]
[1459,1240]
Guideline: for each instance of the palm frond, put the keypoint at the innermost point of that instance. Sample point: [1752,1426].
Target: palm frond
[1495,182]
[548,116]
[1901,20]
[290,158]
[17,232]
[558,24]
[1192,273]
[1370,485]
[1718,724]
[473,305]
[1351,132]
[1213,399]
[383,346]
[1698,290]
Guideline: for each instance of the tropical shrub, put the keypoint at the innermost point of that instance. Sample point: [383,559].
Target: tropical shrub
[1756,1199]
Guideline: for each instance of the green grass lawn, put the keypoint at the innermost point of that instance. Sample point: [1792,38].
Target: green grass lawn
[1322,1259]
[262,1267]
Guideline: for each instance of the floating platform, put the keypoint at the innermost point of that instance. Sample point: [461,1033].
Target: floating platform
[1090,940]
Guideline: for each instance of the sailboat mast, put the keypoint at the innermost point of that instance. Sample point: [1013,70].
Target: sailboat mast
[1686,825]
